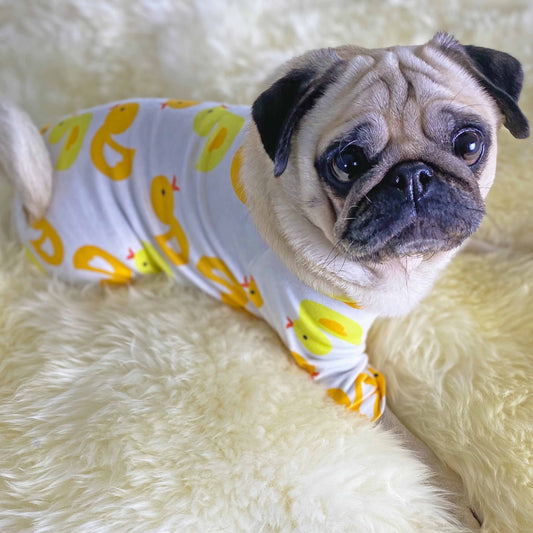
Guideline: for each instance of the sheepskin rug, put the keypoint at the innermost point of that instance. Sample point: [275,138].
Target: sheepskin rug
[155,408]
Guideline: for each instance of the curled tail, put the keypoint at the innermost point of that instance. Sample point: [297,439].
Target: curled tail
[24,159]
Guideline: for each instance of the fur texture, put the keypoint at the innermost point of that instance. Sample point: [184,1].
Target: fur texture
[156,408]
[23,153]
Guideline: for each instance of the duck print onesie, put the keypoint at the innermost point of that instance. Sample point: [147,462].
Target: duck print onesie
[149,185]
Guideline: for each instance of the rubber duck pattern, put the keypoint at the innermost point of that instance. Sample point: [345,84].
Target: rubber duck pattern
[151,186]
[72,131]
[117,121]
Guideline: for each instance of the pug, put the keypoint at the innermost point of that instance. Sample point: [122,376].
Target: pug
[340,195]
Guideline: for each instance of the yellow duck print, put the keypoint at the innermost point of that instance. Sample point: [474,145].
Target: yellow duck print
[178,104]
[238,294]
[216,269]
[353,305]
[48,235]
[220,126]
[75,128]
[372,378]
[115,273]
[148,260]
[162,197]
[33,259]
[236,177]
[303,364]
[118,120]
[314,319]
[253,292]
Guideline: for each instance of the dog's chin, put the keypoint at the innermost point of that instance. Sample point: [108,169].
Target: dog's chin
[411,241]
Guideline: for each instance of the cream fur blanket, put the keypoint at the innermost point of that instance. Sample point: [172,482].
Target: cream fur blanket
[156,408]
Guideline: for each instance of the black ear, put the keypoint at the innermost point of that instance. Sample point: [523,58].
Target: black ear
[501,76]
[278,111]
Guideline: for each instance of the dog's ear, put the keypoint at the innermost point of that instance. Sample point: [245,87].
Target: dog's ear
[500,74]
[278,110]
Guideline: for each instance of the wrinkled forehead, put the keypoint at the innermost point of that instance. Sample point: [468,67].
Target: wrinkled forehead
[400,94]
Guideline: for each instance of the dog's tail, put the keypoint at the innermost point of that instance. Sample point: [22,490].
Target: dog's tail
[24,159]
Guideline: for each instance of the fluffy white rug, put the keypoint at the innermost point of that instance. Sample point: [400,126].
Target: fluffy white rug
[155,408]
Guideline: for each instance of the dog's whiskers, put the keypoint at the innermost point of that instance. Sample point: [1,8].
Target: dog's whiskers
[331,258]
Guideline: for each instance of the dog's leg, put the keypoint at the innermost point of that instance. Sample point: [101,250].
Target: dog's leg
[443,477]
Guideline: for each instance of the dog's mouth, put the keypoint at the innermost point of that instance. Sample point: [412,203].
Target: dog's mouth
[382,228]
[413,240]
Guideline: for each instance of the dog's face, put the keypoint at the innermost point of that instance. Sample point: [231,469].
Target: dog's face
[389,153]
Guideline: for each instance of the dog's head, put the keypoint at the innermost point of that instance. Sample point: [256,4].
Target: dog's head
[389,153]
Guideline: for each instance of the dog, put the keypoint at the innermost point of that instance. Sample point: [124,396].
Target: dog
[337,197]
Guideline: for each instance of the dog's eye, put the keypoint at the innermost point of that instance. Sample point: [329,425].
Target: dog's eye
[469,146]
[349,163]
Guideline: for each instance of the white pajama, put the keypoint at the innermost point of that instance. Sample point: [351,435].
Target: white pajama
[151,185]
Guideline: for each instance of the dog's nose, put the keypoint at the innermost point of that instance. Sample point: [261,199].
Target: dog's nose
[412,178]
